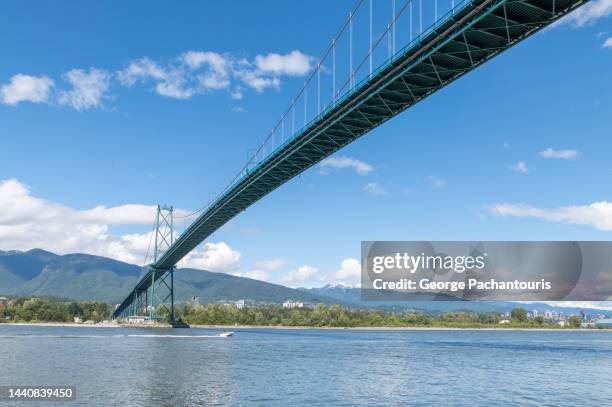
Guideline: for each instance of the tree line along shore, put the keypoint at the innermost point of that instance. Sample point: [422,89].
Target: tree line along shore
[33,310]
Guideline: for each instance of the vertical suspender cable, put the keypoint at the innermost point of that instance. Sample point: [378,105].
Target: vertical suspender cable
[435,11]
[410,20]
[388,34]
[292,117]
[351,49]
[319,89]
[420,16]
[393,22]
[305,102]
[334,69]
[370,38]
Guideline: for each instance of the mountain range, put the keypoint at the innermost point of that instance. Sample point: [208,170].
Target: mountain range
[352,295]
[85,277]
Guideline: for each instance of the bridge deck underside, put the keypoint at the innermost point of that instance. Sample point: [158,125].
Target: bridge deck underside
[472,36]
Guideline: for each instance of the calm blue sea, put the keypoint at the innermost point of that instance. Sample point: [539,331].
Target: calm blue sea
[274,367]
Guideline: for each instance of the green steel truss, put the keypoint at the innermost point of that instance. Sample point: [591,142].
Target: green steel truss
[153,296]
[460,42]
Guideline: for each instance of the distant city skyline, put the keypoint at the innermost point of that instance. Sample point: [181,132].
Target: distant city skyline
[127,107]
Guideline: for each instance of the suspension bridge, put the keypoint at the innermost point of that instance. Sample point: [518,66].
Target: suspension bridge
[387,56]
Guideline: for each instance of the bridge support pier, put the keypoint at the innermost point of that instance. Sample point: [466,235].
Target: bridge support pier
[160,294]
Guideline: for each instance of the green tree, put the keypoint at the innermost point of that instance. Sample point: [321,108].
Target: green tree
[519,314]
[574,321]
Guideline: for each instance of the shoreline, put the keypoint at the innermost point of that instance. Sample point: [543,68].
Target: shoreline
[246,327]
[61,324]
[394,328]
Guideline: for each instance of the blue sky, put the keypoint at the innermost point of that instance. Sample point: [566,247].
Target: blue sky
[103,115]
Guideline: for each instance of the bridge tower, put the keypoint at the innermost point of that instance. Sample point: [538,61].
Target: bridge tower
[160,294]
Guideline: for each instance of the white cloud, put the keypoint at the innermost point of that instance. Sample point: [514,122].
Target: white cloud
[349,273]
[18,206]
[218,257]
[140,70]
[294,63]
[255,275]
[607,43]
[170,81]
[28,222]
[300,275]
[437,182]
[174,86]
[26,88]
[195,60]
[270,265]
[88,88]
[129,214]
[589,13]
[373,188]
[257,81]
[191,73]
[340,162]
[237,93]
[197,72]
[261,270]
[521,167]
[217,76]
[597,214]
[213,80]
[559,154]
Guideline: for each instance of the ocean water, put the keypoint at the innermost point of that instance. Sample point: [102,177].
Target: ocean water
[284,367]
